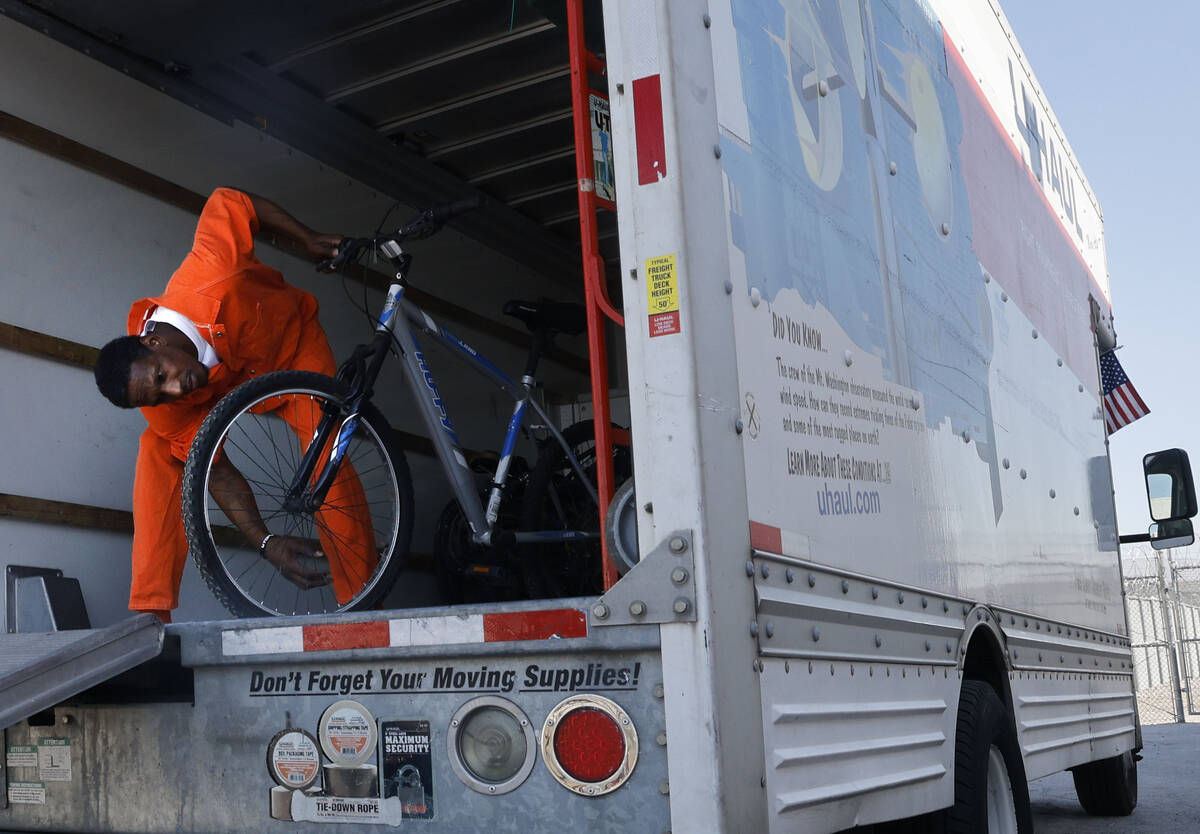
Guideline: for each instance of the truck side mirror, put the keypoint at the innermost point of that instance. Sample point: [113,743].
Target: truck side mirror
[1169,486]
[1177,533]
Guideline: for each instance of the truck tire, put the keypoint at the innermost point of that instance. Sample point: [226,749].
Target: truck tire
[1108,787]
[990,791]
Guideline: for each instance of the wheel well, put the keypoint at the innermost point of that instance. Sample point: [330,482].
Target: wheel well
[985,661]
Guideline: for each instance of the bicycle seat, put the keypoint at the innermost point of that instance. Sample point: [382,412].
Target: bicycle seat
[544,315]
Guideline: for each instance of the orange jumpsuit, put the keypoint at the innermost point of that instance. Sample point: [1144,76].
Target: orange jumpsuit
[256,323]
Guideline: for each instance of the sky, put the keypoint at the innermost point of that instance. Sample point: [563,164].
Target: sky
[1122,79]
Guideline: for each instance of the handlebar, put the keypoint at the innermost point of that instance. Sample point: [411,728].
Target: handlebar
[426,224]
[348,250]
[446,211]
[430,221]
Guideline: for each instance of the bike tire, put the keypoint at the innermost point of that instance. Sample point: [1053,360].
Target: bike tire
[243,426]
[557,500]
[467,572]
[450,541]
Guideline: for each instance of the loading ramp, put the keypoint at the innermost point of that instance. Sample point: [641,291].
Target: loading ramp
[38,671]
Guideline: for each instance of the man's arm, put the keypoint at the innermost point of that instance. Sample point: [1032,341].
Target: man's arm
[272,218]
[231,492]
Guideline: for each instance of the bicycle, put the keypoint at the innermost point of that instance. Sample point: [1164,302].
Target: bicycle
[331,462]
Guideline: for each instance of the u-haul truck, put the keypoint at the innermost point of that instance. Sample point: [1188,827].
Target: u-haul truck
[864,285]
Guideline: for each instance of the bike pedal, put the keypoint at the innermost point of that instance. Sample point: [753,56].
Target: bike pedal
[489,574]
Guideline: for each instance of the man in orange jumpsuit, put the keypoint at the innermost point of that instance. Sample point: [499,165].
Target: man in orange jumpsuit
[224,318]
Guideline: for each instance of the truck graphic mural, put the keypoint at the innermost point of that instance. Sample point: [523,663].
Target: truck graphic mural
[925,320]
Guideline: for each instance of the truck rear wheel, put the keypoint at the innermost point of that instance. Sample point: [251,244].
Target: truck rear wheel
[990,791]
[1108,788]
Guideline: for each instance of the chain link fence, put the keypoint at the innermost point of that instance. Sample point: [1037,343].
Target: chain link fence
[1186,586]
[1162,599]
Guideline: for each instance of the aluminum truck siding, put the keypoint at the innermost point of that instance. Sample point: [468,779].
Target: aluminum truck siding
[859,268]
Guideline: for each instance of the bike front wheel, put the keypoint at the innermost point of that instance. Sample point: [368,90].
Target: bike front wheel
[361,529]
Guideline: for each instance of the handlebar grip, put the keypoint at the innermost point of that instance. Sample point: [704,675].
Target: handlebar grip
[347,248]
[444,211]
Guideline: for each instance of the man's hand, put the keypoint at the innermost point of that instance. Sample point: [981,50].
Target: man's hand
[287,554]
[322,247]
[272,218]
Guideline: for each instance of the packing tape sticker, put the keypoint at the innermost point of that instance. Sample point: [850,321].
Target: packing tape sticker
[348,733]
[351,780]
[281,803]
[293,758]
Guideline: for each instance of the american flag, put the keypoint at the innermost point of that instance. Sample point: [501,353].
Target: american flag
[1122,404]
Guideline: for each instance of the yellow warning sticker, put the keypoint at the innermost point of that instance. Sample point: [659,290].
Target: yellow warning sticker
[662,295]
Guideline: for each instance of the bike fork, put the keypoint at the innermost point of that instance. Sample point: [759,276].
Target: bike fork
[299,497]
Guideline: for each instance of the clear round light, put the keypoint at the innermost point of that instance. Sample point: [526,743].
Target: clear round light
[492,744]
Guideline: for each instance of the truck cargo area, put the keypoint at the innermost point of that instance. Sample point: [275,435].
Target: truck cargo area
[353,115]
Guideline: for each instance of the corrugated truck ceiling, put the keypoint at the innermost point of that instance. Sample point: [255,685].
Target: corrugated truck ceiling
[424,100]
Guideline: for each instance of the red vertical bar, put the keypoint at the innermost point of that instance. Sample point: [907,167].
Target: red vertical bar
[592,270]
[648,125]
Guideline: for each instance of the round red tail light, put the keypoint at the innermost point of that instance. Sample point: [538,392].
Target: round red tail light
[589,744]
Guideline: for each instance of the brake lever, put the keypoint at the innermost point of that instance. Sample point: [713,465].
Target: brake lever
[420,227]
[347,249]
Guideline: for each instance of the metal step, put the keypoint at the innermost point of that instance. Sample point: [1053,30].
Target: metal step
[38,671]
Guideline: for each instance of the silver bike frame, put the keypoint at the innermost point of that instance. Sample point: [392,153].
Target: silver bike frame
[441,431]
